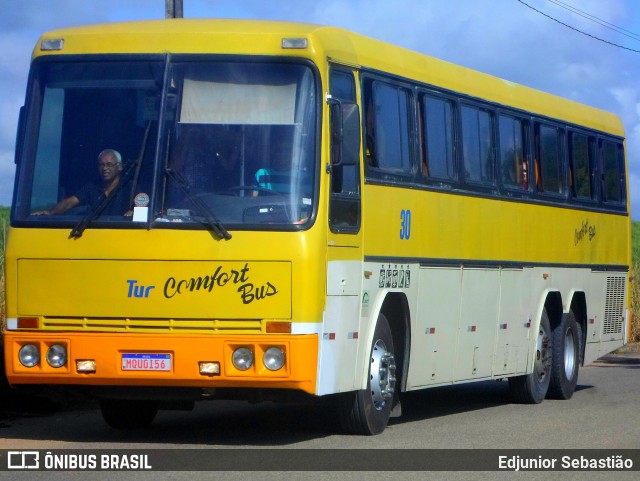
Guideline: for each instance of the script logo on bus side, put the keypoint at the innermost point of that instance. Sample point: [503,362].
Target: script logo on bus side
[585,231]
[221,278]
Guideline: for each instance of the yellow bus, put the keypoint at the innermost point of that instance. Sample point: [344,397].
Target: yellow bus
[211,209]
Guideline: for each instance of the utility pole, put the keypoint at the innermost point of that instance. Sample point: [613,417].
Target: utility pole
[173,9]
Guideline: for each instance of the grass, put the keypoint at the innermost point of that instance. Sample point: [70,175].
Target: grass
[4,224]
[635,284]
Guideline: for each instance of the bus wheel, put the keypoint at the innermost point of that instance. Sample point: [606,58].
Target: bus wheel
[566,358]
[128,414]
[532,388]
[367,411]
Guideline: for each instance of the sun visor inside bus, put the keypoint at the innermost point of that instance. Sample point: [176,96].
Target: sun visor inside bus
[229,103]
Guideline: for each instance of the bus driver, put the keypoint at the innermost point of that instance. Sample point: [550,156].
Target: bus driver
[110,168]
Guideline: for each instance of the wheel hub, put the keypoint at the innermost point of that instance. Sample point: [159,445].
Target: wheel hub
[383,375]
[569,354]
[543,356]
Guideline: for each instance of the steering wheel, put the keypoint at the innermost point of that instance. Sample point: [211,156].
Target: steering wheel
[252,188]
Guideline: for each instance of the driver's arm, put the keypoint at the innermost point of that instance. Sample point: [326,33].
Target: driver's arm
[61,207]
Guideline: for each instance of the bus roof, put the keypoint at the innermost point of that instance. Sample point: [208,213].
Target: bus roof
[257,37]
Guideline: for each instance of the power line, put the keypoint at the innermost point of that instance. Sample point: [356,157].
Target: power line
[577,30]
[599,21]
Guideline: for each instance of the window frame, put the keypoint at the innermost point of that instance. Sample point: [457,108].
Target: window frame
[464,179]
[592,153]
[563,194]
[421,97]
[367,83]
[621,173]
[513,190]
[498,190]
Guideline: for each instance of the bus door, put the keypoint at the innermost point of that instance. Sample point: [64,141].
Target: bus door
[339,343]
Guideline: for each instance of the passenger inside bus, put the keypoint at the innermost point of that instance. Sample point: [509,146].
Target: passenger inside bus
[277,177]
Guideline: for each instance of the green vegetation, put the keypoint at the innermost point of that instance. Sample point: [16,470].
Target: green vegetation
[635,284]
[635,242]
[4,224]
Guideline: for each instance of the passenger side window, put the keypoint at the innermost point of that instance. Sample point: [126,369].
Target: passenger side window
[387,126]
[581,178]
[513,160]
[613,182]
[477,145]
[549,160]
[342,85]
[437,138]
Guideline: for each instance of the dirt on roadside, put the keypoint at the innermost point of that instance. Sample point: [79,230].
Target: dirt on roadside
[633,347]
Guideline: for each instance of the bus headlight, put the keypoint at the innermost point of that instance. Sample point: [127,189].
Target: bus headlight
[29,355]
[273,358]
[57,355]
[242,358]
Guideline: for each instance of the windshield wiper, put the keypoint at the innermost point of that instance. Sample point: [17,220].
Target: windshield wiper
[201,206]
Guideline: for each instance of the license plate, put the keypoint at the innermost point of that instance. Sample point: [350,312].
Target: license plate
[146,362]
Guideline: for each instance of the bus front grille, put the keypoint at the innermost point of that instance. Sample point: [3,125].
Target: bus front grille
[183,326]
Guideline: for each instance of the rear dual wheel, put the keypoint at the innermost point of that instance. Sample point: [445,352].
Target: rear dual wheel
[566,358]
[556,364]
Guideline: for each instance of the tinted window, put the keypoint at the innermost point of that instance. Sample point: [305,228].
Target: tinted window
[513,163]
[238,143]
[550,160]
[243,143]
[477,145]
[342,85]
[612,178]
[581,176]
[79,109]
[437,135]
[387,127]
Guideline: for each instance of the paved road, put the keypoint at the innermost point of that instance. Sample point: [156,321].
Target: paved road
[603,414]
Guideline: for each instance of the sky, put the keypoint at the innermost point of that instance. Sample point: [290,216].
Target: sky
[505,38]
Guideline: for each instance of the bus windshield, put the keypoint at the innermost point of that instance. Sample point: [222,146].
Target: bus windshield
[193,141]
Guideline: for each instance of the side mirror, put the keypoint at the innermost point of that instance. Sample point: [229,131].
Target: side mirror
[345,133]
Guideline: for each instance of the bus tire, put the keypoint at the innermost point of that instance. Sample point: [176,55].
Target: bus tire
[128,414]
[566,358]
[368,411]
[532,388]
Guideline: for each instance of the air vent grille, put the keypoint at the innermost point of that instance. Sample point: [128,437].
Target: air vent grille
[614,306]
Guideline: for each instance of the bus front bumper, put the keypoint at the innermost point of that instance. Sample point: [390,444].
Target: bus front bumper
[205,361]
